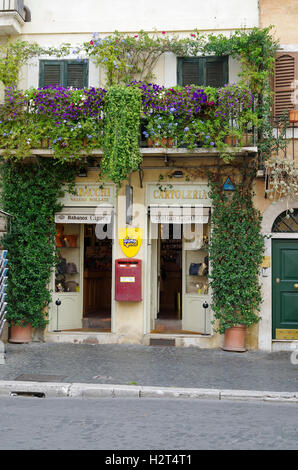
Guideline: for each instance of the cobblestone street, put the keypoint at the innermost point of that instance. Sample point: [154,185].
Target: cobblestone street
[153,366]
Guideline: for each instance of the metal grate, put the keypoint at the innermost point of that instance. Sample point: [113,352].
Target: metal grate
[162,342]
[286,222]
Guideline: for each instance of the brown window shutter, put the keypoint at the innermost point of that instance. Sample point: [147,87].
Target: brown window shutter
[285,74]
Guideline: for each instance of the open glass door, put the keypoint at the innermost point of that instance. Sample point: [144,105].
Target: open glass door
[195,317]
[67,280]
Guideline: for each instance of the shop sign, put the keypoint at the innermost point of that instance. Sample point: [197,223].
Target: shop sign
[181,194]
[130,239]
[89,195]
[83,218]
[179,215]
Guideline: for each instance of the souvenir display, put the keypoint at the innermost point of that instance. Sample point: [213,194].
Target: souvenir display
[197,265]
[67,273]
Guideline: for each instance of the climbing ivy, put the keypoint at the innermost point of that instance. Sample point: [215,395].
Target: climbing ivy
[235,251]
[121,133]
[30,192]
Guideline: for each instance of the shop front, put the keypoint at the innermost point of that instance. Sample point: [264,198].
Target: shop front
[82,283]
[178,263]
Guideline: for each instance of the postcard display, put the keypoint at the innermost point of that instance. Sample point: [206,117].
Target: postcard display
[3,303]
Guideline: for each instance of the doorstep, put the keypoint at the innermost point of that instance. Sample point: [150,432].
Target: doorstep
[181,340]
[284,345]
[81,337]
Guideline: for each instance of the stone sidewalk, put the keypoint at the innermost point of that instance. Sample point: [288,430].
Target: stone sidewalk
[149,366]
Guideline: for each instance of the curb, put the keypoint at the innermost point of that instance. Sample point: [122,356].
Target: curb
[83,390]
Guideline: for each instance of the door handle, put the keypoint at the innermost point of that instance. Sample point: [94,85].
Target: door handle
[296,286]
[277,280]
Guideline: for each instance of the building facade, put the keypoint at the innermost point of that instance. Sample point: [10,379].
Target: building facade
[155,289]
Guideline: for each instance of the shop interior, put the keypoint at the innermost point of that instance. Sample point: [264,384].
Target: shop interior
[96,263]
[170,278]
[182,270]
[97,280]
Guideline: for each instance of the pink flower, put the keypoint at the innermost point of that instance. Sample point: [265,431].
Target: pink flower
[163,32]
[135,36]
[91,42]
[193,35]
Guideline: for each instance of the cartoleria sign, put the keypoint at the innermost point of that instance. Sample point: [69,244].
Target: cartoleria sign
[178,194]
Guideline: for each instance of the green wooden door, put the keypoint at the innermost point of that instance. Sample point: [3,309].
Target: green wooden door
[285,289]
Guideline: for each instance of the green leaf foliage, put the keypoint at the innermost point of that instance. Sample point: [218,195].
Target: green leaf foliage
[30,193]
[121,133]
[236,251]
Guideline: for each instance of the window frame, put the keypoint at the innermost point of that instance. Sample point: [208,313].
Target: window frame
[202,61]
[63,71]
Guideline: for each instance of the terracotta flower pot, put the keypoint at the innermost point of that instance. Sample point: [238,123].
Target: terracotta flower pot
[230,140]
[235,339]
[170,143]
[20,334]
[293,115]
[44,143]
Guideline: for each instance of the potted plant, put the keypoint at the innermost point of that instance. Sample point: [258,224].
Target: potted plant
[235,253]
[20,332]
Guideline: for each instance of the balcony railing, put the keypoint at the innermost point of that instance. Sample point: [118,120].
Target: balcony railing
[286,134]
[13,5]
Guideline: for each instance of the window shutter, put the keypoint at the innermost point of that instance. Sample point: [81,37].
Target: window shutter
[205,71]
[50,73]
[284,76]
[75,75]
[64,72]
[214,73]
[190,72]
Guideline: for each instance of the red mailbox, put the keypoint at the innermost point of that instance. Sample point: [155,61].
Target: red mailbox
[128,285]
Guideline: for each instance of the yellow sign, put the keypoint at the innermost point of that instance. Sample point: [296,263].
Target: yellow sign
[286,334]
[266,263]
[130,239]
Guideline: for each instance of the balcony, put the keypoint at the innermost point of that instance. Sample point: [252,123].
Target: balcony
[13,15]
[175,125]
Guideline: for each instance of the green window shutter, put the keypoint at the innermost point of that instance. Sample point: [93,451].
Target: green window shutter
[216,71]
[50,73]
[205,71]
[64,72]
[76,74]
[189,71]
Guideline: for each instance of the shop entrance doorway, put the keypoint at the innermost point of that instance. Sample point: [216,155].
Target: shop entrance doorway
[169,264]
[179,291]
[97,297]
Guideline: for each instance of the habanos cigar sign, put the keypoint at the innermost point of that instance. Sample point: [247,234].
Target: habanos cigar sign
[130,239]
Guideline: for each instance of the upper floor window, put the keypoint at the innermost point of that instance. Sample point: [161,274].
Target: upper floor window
[204,71]
[285,76]
[66,73]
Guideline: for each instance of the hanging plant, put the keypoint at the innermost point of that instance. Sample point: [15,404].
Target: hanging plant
[121,133]
[283,179]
